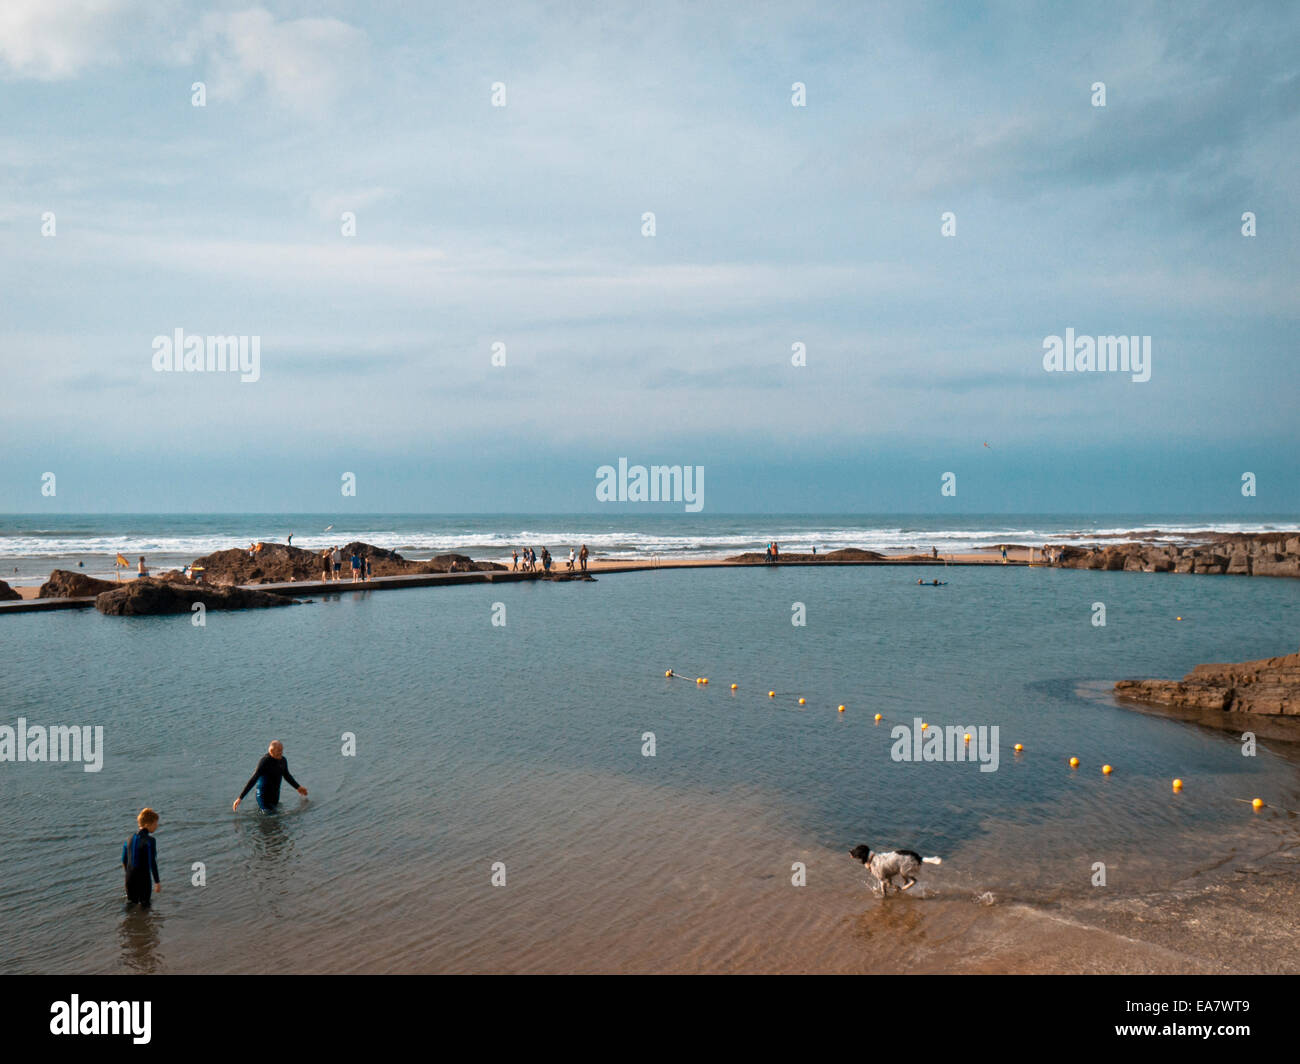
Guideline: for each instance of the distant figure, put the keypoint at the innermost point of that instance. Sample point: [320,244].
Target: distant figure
[546,559]
[934,552]
[919,581]
[582,557]
[80,565]
[142,570]
[357,570]
[1004,555]
[572,558]
[140,859]
[514,560]
[336,559]
[776,552]
[814,549]
[936,583]
[325,565]
[289,541]
[369,569]
[273,767]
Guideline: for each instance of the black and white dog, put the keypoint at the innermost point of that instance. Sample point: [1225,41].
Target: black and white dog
[885,866]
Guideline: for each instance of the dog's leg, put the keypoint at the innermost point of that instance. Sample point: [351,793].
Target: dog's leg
[908,882]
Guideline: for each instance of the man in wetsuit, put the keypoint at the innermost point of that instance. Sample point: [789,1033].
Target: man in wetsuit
[140,859]
[270,770]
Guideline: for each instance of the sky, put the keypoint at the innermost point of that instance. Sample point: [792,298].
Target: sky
[523,225]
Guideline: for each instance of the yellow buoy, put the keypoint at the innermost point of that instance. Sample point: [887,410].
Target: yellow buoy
[967,737]
[1257,804]
[1178,618]
[1178,785]
[771,694]
[705,680]
[924,727]
[698,680]
[841,709]
[669,672]
[1074,762]
[802,701]
[879,717]
[1018,748]
[1105,770]
[734,686]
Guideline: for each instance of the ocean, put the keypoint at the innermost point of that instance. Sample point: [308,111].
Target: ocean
[31,544]
[501,813]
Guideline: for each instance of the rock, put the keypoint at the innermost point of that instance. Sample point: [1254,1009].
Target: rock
[66,584]
[1269,687]
[147,597]
[277,563]
[8,594]
[1275,565]
[844,554]
[274,563]
[460,563]
[1239,553]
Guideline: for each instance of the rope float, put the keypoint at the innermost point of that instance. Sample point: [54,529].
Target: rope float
[1255,803]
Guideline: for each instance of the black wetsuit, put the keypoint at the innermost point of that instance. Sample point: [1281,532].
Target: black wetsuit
[140,860]
[267,778]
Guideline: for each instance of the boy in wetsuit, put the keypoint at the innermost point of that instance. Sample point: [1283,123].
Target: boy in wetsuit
[270,770]
[140,859]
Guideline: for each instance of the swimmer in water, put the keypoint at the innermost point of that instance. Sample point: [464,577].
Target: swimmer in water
[270,770]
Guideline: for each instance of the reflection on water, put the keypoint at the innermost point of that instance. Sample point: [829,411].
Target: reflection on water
[140,938]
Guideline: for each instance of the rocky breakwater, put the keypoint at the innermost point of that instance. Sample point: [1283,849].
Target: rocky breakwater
[66,584]
[1234,695]
[149,597]
[278,563]
[8,594]
[844,554]
[1267,554]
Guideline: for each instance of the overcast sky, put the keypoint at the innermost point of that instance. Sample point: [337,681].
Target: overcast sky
[775,225]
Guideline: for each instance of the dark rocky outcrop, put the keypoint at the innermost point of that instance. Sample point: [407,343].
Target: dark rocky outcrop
[277,563]
[1270,687]
[844,554]
[147,597]
[8,594]
[1236,553]
[65,584]
[452,563]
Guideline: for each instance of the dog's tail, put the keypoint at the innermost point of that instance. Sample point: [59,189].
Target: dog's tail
[932,860]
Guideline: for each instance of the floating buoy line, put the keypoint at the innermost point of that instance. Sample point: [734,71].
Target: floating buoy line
[1072,762]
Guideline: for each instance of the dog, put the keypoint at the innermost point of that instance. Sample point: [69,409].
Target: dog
[885,866]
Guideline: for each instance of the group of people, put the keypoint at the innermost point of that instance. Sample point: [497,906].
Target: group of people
[140,852]
[531,559]
[332,562]
[773,553]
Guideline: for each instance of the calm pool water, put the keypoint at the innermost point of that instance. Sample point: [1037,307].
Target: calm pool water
[523,744]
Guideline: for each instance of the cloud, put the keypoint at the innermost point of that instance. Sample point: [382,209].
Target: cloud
[305,64]
[51,40]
